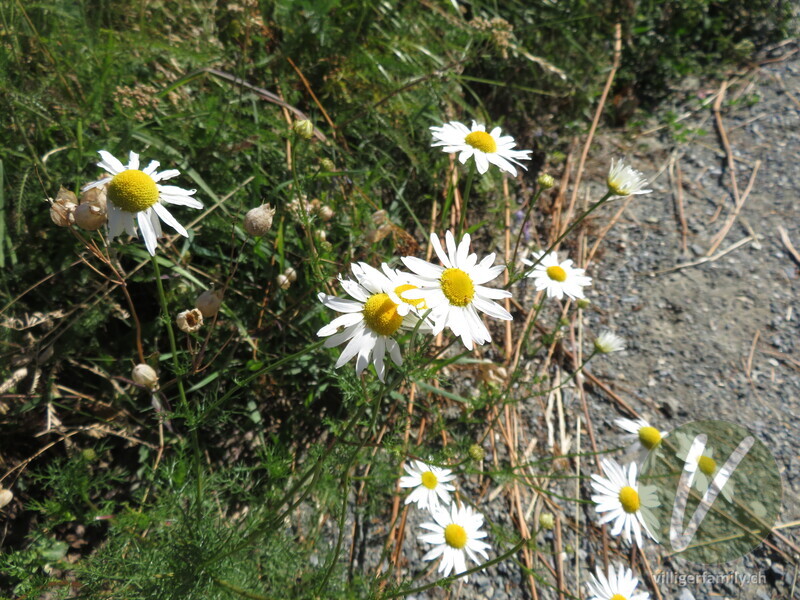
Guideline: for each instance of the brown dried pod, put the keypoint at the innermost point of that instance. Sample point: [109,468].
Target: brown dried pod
[189,321]
[258,221]
[209,302]
[90,217]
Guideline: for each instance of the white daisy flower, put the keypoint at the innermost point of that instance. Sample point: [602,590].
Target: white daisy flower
[455,292]
[369,321]
[608,342]
[430,483]
[642,436]
[134,193]
[620,497]
[485,147]
[699,461]
[456,535]
[623,180]
[619,585]
[558,279]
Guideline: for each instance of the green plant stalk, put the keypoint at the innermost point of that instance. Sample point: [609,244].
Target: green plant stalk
[346,484]
[465,198]
[452,578]
[568,230]
[173,346]
[531,204]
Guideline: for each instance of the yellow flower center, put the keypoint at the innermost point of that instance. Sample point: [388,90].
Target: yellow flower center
[133,191]
[707,465]
[629,498]
[457,287]
[618,597]
[418,303]
[380,314]
[482,141]
[429,480]
[650,437]
[556,273]
[455,536]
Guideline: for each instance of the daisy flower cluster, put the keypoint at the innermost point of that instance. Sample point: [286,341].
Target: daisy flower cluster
[383,303]
[454,529]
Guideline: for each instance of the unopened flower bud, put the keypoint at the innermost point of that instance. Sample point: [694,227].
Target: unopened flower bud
[545,181]
[476,453]
[321,235]
[258,220]
[547,520]
[584,303]
[284,282]
[326,164]
[325,213]
[90,217]
[290,274]
[209,302]
[189,321]
[5,497]
[304,128]
[144,375]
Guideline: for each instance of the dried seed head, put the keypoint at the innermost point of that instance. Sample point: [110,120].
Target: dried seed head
[290,274]
[144,375]
[379,217]
[62,209]
[90,217]
[96,197]
[189,321]
[258,220]
[5,497]
[325,212]
[284,282]
[209,302]
[304,128]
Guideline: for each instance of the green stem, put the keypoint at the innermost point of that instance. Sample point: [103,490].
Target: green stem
[465,198]
[346,486]
[567,231]
[239,591]
[446,580]
[173,346]
[531,204]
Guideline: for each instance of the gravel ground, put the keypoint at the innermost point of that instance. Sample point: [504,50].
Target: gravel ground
[690,331]
[715,340]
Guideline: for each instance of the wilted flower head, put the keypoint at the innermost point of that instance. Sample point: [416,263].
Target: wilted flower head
[623,180]
[62,209]
[189,321]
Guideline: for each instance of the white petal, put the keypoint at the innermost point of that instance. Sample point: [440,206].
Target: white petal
[146,228]
[169,219]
